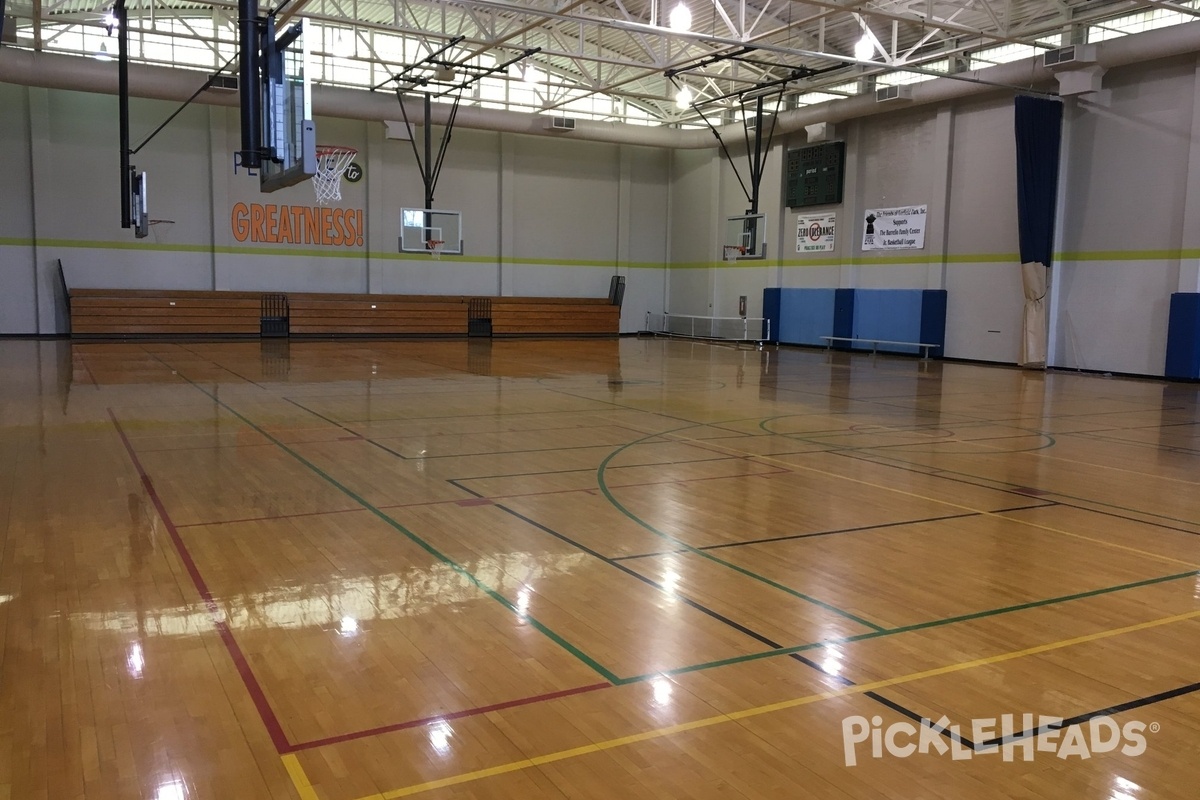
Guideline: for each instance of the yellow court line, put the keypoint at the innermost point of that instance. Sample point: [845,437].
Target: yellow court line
[299,778]
[710,444]
[306,791]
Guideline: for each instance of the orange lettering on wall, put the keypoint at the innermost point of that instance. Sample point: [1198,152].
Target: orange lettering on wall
[258,231]
[285,224]
[297,224]
[337,227]
[326,225]
[272,222]
[240,221]
[338,232]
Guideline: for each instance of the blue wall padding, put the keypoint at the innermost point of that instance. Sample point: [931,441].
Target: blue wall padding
[1183,336]
[933,319]
[843,316]
[893,314]
[806,315]
[771,315]
[803,316]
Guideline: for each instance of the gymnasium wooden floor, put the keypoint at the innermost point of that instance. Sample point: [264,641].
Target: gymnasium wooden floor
[600,569]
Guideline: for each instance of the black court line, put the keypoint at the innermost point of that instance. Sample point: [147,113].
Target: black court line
[815,534]
[743,629]
[1079,719]
[590,469]
[1012,738]
[1055,499]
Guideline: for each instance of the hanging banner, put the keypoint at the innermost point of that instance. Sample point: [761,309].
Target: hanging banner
[895,228]
[815,234]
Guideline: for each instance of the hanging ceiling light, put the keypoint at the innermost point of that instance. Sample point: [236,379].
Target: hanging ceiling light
[864,49]
[683,98]
[681,18]
[531,77]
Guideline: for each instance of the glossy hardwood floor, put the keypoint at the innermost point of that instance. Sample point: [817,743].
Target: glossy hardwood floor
[599,569]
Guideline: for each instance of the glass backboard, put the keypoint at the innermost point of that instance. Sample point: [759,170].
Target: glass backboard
[745,237]
[419,227]
[289,136]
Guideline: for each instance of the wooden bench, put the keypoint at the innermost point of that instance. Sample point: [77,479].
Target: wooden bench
[925,347]
[144,312]
[559,316]
[358,314]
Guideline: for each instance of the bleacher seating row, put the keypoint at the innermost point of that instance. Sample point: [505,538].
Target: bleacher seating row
[128,312]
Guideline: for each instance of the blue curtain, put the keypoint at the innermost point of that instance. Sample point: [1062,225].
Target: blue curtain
[1039,134]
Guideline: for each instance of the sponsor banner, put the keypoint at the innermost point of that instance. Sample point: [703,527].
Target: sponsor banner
[895,228]
[310,225]
[815,234]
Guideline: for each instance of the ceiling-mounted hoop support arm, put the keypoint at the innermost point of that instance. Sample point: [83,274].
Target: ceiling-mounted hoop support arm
[432,58]
[429,166]
[483,72]
[697,107]
[757,156]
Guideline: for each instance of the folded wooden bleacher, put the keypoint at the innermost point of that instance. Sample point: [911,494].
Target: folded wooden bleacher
[121,313]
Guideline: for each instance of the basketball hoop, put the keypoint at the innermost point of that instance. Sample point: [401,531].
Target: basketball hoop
[434,246]
[734,252]
[332,161]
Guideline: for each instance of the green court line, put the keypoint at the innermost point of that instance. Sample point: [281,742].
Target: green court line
[919,626]
[489,591]
[702,553]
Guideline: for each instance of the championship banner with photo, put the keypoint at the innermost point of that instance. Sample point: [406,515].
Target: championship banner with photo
[895,228]
[816,234]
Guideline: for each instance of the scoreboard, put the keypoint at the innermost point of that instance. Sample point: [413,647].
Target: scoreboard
[815,175]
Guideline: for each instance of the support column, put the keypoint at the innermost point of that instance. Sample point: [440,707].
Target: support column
[624,210]
[220,166]
[377,226]
[937,233]
[1054,275]
[850,214]
[44,277]
[504,269]
[1189,261]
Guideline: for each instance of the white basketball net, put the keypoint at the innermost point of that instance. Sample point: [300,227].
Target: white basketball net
[434,246]
[734,251]
[331,163]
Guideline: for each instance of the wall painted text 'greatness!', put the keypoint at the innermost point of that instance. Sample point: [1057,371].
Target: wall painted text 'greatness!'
[335,227]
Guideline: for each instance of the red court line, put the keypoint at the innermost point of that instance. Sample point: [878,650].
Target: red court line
[269,518]
[257,695]
[470,712]
[265,713]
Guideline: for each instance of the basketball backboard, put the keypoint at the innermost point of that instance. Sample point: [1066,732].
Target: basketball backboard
[419,227]
[139,208]
[289,136]
[745,237]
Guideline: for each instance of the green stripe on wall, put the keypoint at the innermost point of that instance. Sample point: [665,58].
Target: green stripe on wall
[814,262]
